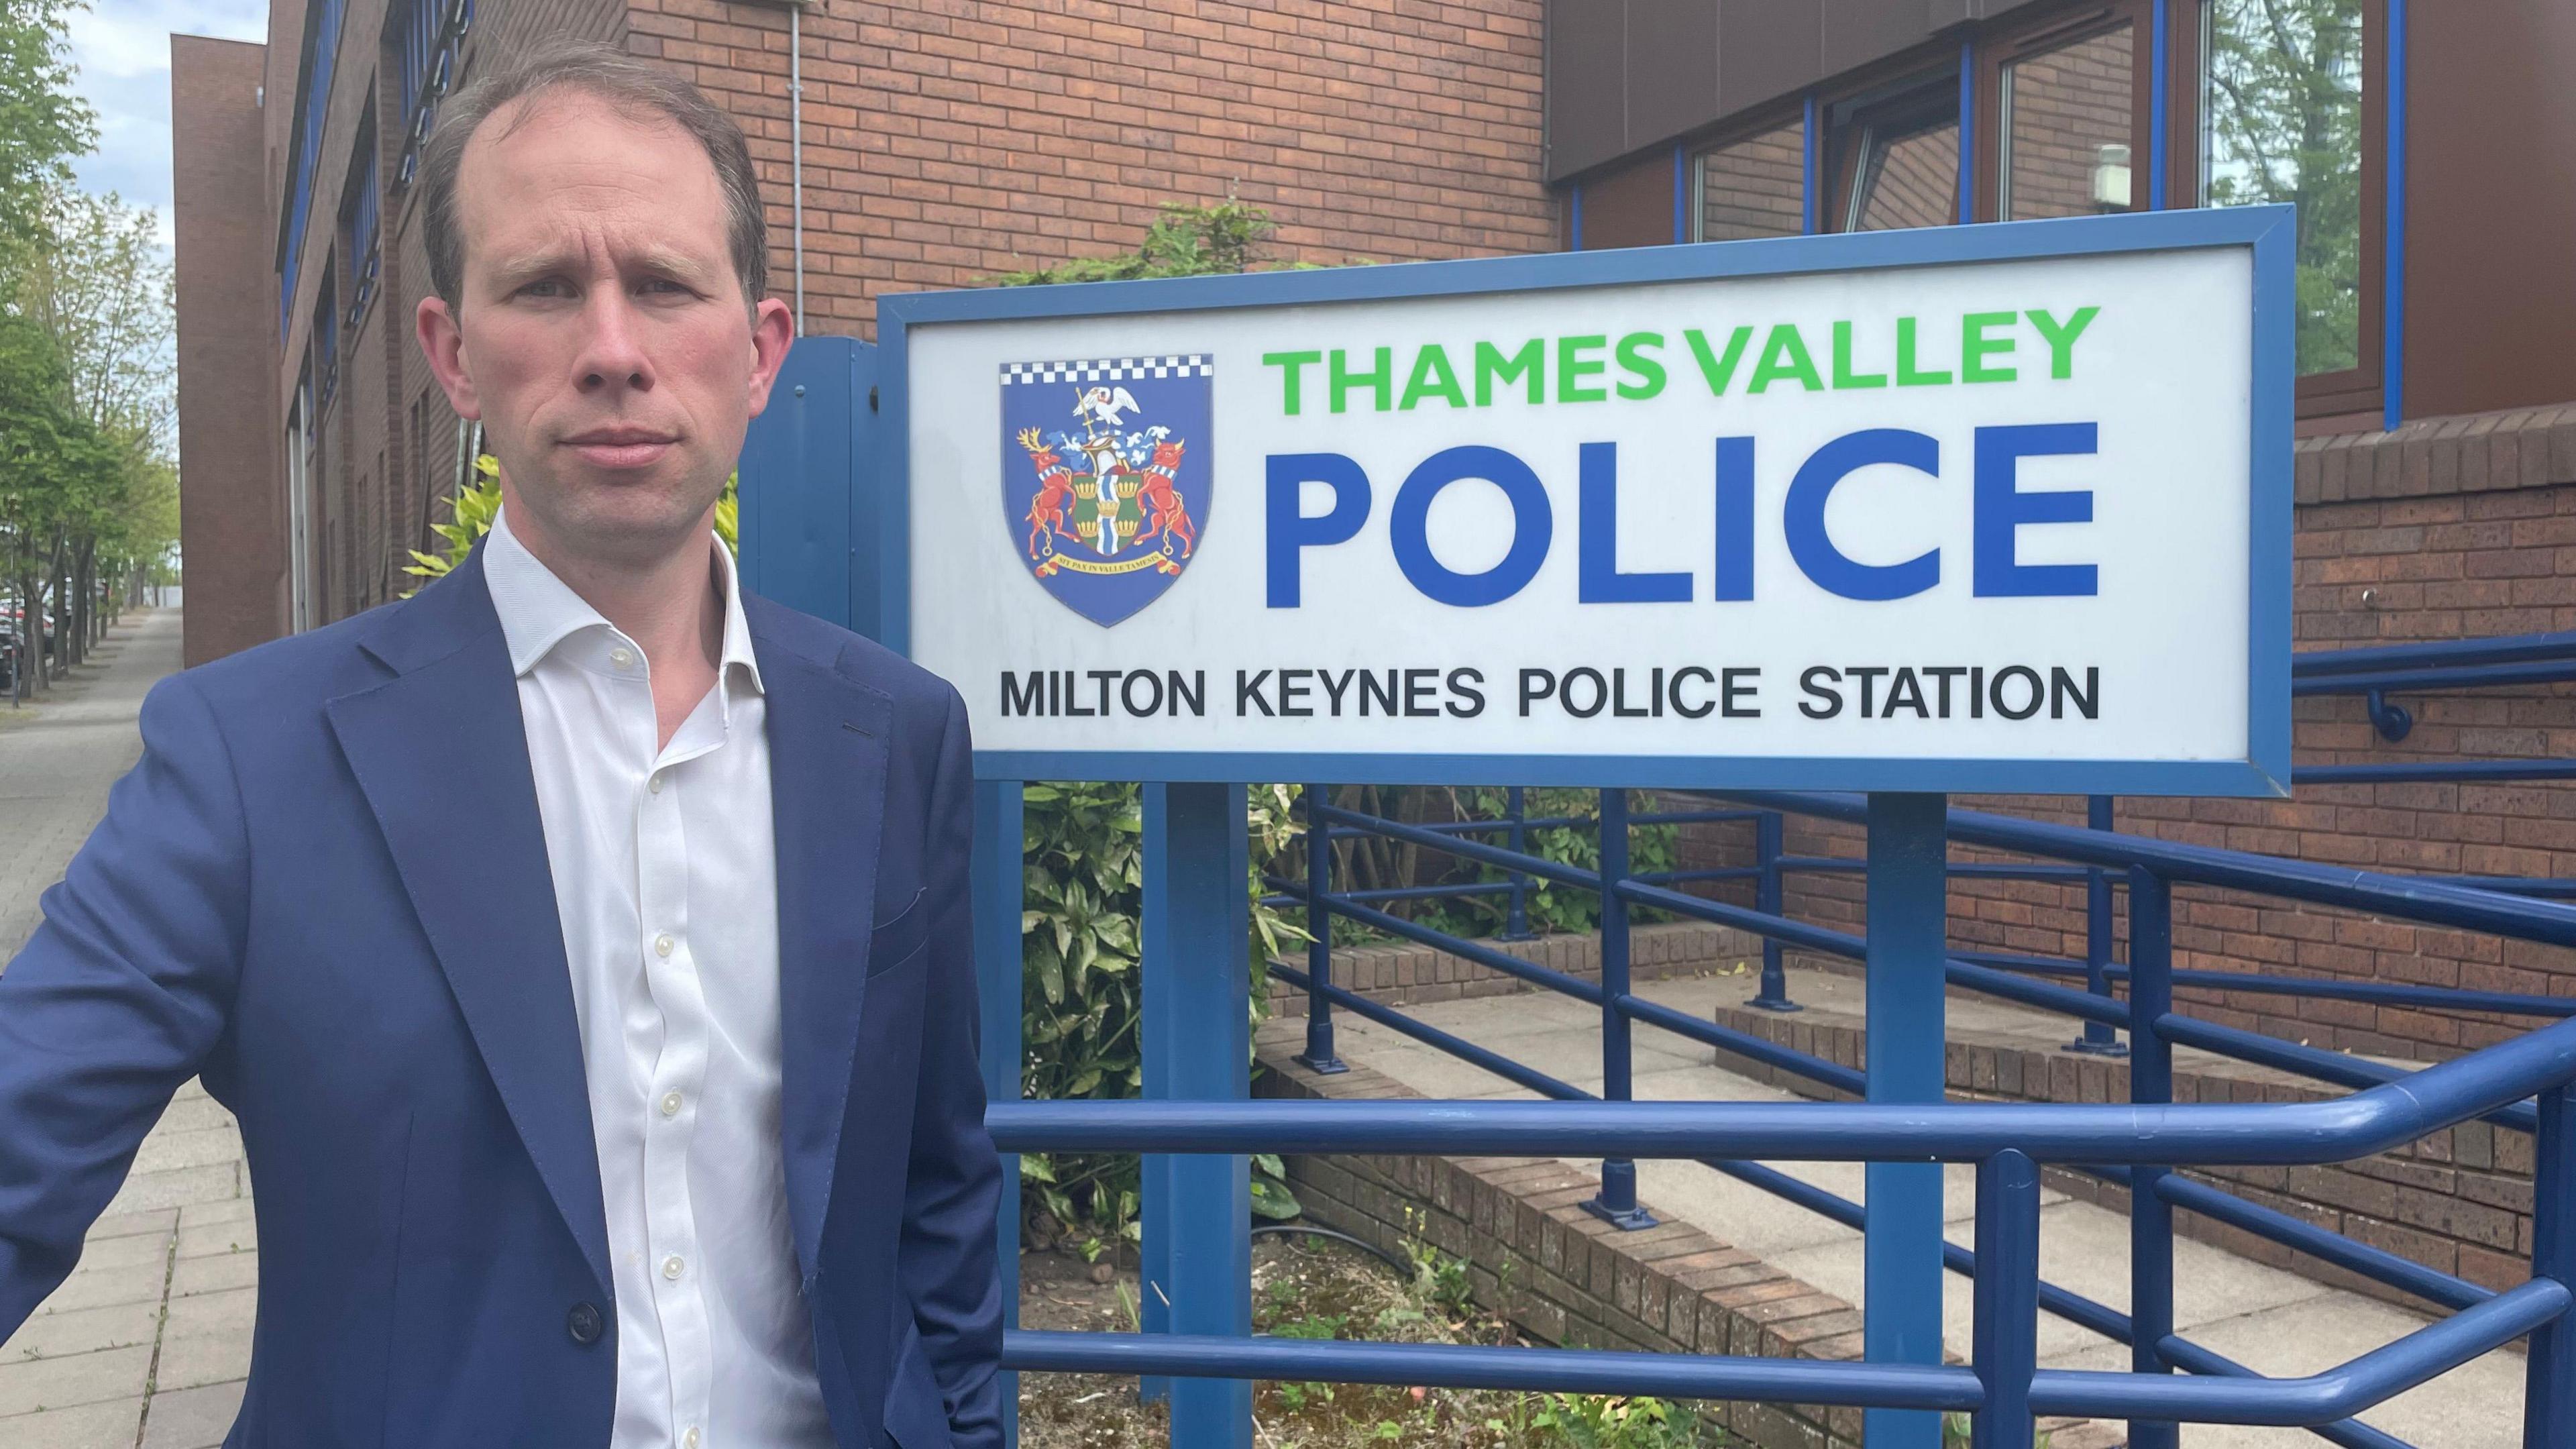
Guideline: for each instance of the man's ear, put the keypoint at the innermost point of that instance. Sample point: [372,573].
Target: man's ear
[444,345]
[773,327]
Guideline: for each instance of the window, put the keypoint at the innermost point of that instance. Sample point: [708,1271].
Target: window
[359,225]
[423,37]
[2282,99]
[1895,156]
[299,503]
[1754,187]
[312,105]
[1906,164]
[2070,127]
[326,332]
[2265,101]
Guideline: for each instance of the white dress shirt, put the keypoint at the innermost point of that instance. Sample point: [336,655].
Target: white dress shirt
[665,874]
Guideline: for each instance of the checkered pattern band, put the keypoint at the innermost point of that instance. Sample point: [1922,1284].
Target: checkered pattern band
[1108,369]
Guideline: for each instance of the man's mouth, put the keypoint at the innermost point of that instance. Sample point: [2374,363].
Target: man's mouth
[621,447]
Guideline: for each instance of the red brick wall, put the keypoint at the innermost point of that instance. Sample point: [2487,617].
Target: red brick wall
[2452,528]
[946,141]
[230,515]
[943,142]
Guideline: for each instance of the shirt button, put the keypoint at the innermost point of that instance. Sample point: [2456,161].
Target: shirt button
[621,657]
[670,1104]
[672,1267]
[689,1440]
[654,784]
[663,943]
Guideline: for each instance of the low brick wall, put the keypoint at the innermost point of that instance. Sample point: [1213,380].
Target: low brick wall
[1405,974]
[2458,1200]
[1565,1277]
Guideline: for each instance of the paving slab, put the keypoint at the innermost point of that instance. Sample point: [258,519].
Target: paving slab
[97,1366]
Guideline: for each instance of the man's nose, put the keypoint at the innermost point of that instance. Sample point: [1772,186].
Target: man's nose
[613,358]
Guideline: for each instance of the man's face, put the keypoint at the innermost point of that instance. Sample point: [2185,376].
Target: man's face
[601,335]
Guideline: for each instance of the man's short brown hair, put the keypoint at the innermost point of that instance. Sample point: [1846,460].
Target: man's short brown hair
[632,87]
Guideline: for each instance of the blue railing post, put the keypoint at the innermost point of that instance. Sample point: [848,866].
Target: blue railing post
[2007,1298]
[1197,1038]
[2549,1386]
[1516,920]
[1617,1201]
[1318,1056]
[1774,995]
[1908,952]
[2098,1038]
[2150,1084]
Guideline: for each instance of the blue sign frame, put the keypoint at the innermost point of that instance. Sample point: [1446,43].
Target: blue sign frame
[2268,231]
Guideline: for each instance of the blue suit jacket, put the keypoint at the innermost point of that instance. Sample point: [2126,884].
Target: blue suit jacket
[325,890]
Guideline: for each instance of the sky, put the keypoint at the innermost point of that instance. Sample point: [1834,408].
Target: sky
[122,50]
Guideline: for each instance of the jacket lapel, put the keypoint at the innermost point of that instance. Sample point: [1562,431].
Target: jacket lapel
[827,770]
[442,755]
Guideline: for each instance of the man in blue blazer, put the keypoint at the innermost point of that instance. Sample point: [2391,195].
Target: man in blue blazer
[582,944]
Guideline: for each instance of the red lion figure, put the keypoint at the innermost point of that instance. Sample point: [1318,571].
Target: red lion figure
[1046,516]
[1162,499]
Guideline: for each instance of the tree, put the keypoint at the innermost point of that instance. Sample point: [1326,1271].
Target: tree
[2284,105]
[99,289]
[43,122]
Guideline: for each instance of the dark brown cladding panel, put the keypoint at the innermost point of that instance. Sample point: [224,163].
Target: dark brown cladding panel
[2490,299]
[1627,74]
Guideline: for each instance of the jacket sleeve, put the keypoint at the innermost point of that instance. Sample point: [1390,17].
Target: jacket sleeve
[121,992]
[947,1263]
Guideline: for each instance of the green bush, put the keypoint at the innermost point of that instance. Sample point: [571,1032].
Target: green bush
[1366,864]
[1082,892]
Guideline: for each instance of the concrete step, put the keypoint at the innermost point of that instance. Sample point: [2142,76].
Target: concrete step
[2274,1321]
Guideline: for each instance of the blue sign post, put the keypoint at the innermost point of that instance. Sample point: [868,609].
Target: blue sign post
[1909,879]
[1198,1048]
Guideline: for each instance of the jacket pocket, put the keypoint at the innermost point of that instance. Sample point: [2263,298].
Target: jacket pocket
[893,942]
[916,1413]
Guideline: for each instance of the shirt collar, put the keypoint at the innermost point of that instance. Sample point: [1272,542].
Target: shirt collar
[539,611]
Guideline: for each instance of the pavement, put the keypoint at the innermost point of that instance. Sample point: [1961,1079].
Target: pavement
[2276,1322]
[147,1344]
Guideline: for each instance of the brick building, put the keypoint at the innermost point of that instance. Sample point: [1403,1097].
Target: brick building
[936,141]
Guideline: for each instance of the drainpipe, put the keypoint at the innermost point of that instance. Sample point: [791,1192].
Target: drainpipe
[796,146]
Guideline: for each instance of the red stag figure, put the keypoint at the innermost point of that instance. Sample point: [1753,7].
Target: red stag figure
[1046,516]
[1165,513]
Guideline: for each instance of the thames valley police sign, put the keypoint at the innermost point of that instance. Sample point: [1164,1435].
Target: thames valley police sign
[1975,508]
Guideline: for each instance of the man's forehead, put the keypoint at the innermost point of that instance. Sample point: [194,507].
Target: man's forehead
[545,171]
[564,129]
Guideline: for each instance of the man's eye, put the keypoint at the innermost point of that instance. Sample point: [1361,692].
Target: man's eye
[546,287]
[664,287]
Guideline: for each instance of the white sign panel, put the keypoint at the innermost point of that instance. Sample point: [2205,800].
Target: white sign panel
[1979,508]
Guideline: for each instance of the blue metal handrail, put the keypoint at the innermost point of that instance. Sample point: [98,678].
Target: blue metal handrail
[2391,1108]
[2140,1146]
[2177,1134]
[2316,1399]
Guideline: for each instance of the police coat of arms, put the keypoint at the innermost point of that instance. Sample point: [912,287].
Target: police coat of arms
[1118,447]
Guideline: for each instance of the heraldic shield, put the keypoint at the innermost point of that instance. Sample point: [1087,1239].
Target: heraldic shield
[1105,475]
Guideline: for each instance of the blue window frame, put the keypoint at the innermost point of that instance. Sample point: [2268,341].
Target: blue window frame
[312,108]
